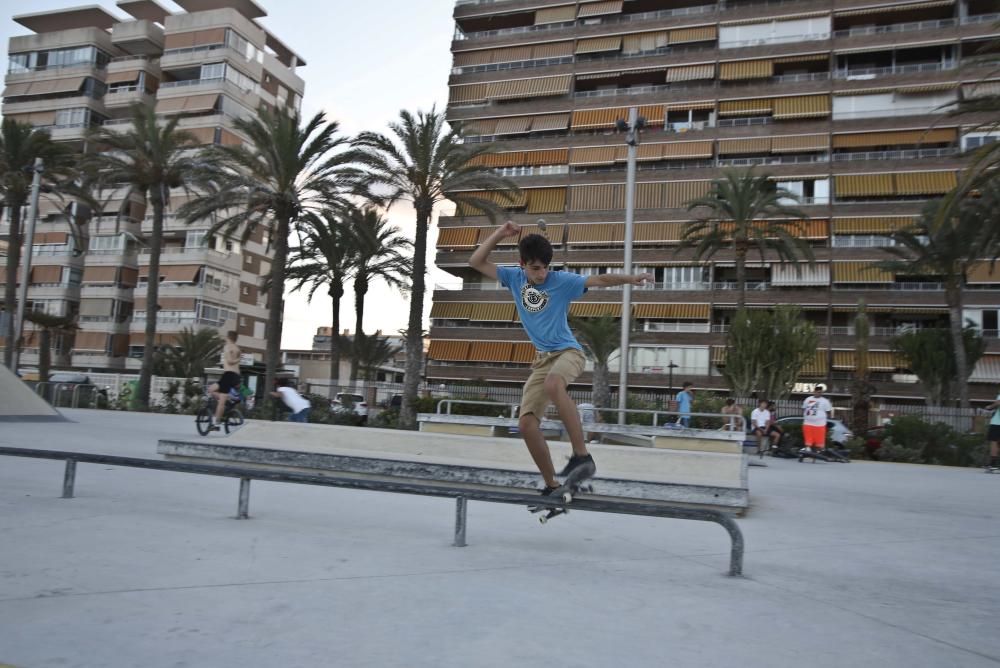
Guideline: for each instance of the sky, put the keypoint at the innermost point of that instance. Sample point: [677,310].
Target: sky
[365,62]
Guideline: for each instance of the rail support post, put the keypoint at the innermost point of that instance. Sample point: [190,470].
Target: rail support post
[243,511]
[461,511]
[736,552]
[69,479]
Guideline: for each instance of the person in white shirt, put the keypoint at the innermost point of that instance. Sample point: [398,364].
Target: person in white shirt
[760,418]
[588,415]
[297,404]
[815,410]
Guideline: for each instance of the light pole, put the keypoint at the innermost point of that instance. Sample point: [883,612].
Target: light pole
[29,242]
[670,375]
[631,128]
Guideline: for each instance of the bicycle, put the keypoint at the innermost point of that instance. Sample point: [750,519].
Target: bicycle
[232,416]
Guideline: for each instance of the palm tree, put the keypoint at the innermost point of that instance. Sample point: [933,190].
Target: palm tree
[286,172]
[20,145]
[378,254]
[741,209]
[150,159]
[47,325]
[372,352]
[930,357]
[862,388]
[421,162]
[193,351]
[949,249]
[324,258]
[600,336]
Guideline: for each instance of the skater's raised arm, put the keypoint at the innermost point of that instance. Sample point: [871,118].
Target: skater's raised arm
[611,280]
[480,258]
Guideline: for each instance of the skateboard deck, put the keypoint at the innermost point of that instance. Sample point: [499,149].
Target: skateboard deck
[573,485]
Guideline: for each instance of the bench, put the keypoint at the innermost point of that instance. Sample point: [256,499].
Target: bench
[703,486]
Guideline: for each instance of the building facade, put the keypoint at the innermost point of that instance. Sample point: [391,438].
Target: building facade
[838,100]
[84,67]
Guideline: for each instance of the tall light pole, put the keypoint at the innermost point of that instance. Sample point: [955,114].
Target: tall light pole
[631,130]
[29,242]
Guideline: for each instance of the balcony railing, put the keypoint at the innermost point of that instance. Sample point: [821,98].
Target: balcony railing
[895,27]
[872,72]
[678,327]
[909,154]
[812,37]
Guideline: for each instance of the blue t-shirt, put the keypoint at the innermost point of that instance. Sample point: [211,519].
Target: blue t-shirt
[684,402]
[543,308]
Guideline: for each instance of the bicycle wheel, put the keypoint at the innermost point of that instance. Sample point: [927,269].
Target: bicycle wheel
[203,421]
[232,419]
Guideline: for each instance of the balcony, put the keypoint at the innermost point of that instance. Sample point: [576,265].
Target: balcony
[868,73]
[127,96]
[138,37]
[917,26]
[197,255]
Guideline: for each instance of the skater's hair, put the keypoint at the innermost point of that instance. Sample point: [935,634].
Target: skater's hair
[231,335]
[282,382]
[763,401]
[687,384]
[820,387]
[535,247]
[730,401]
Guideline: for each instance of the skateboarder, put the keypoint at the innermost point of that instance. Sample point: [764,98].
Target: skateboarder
[993,433]
[542,298]
[815,410]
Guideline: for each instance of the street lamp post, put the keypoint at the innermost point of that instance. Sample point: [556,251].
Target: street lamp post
[29,241]
[670,371]
[631,128]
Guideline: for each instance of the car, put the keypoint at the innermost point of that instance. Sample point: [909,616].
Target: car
[836,430]
[349,402]
[69,388]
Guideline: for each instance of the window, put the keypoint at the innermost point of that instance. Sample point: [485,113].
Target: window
[970,142]
[108,244]
[72,276]
[72,117]
[211,71]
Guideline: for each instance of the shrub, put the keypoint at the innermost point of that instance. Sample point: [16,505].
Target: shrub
[893,452]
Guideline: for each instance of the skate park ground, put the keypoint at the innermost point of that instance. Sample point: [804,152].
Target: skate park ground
[862,564]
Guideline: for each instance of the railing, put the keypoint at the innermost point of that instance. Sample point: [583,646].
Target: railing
[895,69]
[907,154]
[895,27]
[855,241]
[981,18]
[125,59]
[677,327]
[772,160]
[907,286]
[812,37]
[744,122]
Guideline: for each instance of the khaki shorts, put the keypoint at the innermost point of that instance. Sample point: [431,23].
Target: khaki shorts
[567,364]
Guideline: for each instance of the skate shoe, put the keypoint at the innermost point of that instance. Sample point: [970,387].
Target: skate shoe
[579,468]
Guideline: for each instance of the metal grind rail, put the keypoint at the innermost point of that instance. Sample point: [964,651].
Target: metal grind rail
[461,492]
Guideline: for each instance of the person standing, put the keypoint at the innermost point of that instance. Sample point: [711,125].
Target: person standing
[542,298]
[815,410]
[731,409]
[684,399]
[297,404]
[230,379]
[993,434]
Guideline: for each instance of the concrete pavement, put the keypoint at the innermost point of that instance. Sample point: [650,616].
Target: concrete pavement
[862,564]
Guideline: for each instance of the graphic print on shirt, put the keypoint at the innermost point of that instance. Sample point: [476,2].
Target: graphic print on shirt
[533,299]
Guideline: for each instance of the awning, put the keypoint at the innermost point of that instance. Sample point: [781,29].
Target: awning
[597,197]
[492,312]
[546,200]
[802,58]
[513,126]
[181,273]
[744,146]
[451,310]
[506,159]
[672,311]
[521,88]
[550,122]
[523,353]
[552,156]
[51,237]
[448,351]
[746,69]
[816,365]
[802,106]
[490,351]
[552,49]
[598,76]
[457,237]
[643,153]
[91,341]
[878,360]
[927,88]
[462,94]
[719,355]
[97,307]
[555,14]
[595,309]
[681,192]
[473,58]
[687,149]
[597,118]
[553,233]
[17,89]
[477,128]
[800,274]
[987,370]
[38,118]
[690,106]
[650,195]
[193,104]
[860,272]
[593,155]
[902,7]
[194,38]
[139,339]
[98,274]
[599,8]
[981,89]
[643,42]
[691,72]
[797,143]
[696,34]
[843,360]
[864,185]
[130,76]
[745,107]
[657,232]
[599,44]
[653,113]
[983,272]
[596,233]
[870,224]
[67,85]
[45,274]
[895,138]
[925,183]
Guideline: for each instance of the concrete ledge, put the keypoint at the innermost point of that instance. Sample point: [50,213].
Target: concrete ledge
[19,403]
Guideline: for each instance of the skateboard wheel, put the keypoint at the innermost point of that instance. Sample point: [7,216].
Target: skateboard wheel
[567,497]
[543,519]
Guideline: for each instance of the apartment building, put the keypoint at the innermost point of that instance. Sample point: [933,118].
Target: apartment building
[838,100]
[84,67]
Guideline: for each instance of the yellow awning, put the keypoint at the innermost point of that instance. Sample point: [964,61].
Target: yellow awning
[871,224]
[816,365]
[719,355]
[513,126]
[522,88]
[451,310]
[593,155]
[696,34]
[550,122]
[595,309]
[903,7]
[597,118]
[646,41]
[859,272]
[684,150]
[672,311]
[895,138]
[802,106]
[448,351]
[690,106]
[746,69]
[650,195]
[745,107]
[492,312]
[878,360]
[643,153]
[797,143]
[486,126]
[455,237]
[843,360]
[681,192]
[490,351]
[925,183]
[552,156]
[802,58]
[657,232]
[597,76]
[553,233]
[596,233]
[653,113]
[546,200]
[523,353]
[599,44]
[597,197]
[599,8]
[927,88]
[560,14]
[462,94]
[744,146]
[691,72]
[864,185]
[552,49]
[983,272]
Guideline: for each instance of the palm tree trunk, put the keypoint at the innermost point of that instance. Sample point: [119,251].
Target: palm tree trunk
[741,277]
[415,330]
[953,295]
[360,289]
[152,299]
[10,288]
[276,298]
[336,292]
[44,353]
[601,395]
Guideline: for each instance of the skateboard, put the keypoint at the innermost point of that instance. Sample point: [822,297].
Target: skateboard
[571,486]
[987,469]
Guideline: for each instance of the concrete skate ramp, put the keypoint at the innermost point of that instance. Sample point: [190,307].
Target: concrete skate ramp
[19,403]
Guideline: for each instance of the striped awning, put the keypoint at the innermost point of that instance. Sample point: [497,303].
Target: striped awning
[796,274]
[802,106]
[599,8]
[684,150]
[878,360]
[492,312]
[864,185]
[679,193]
[552,156]
[594,155]
[451,310]
[546,200]
[987,370]
[522,88]
[860,272]
[691,72]
[461,94]
[672,311]
[981,89]
[643,153]
[744,145]
[599,44]
[553,233]
[927,88]
[802,58]
[657,232]
[555,14]
[513,126]
[490,351]
[719,355]
[870,224]
[895,138]
[598,76]
[695,34]
[925,183]
[644,41]
[815,365]
[843,360]
[597,197]
[457,237]
[650,195]
[550,122]
[486,126]
[597,118]
[691,106]
[595,309]
[653,113]
[745,107]
[523,353]
[596,233]
[898,7]
[797,143]
[448,351]
[746,69]
[983,272]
